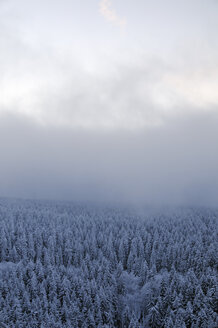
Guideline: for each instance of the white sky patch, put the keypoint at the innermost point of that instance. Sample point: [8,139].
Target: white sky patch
[109,13]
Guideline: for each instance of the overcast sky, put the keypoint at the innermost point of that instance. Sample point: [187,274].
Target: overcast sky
[109,100]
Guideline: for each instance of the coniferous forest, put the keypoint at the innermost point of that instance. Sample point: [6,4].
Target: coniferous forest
[65,265]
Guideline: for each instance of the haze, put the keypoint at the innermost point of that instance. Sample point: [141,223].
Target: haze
[109,100]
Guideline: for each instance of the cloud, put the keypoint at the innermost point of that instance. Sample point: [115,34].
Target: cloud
[133,128]
[131,96]
[130,92]
[109,13]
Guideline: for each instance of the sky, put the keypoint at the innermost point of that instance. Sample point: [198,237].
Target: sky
[109,100]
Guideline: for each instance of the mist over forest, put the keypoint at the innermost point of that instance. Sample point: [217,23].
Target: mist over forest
[108,163]
[173,164]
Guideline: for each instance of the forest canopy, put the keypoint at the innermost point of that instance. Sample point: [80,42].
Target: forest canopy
[67,265]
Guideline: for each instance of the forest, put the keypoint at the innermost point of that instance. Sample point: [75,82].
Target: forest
[74,265]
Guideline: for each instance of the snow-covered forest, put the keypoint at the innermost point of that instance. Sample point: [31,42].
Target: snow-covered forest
[64,265]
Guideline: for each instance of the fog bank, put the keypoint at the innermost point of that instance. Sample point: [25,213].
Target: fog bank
[175,163]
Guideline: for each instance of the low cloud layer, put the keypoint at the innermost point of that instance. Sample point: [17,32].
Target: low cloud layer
[173,164]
